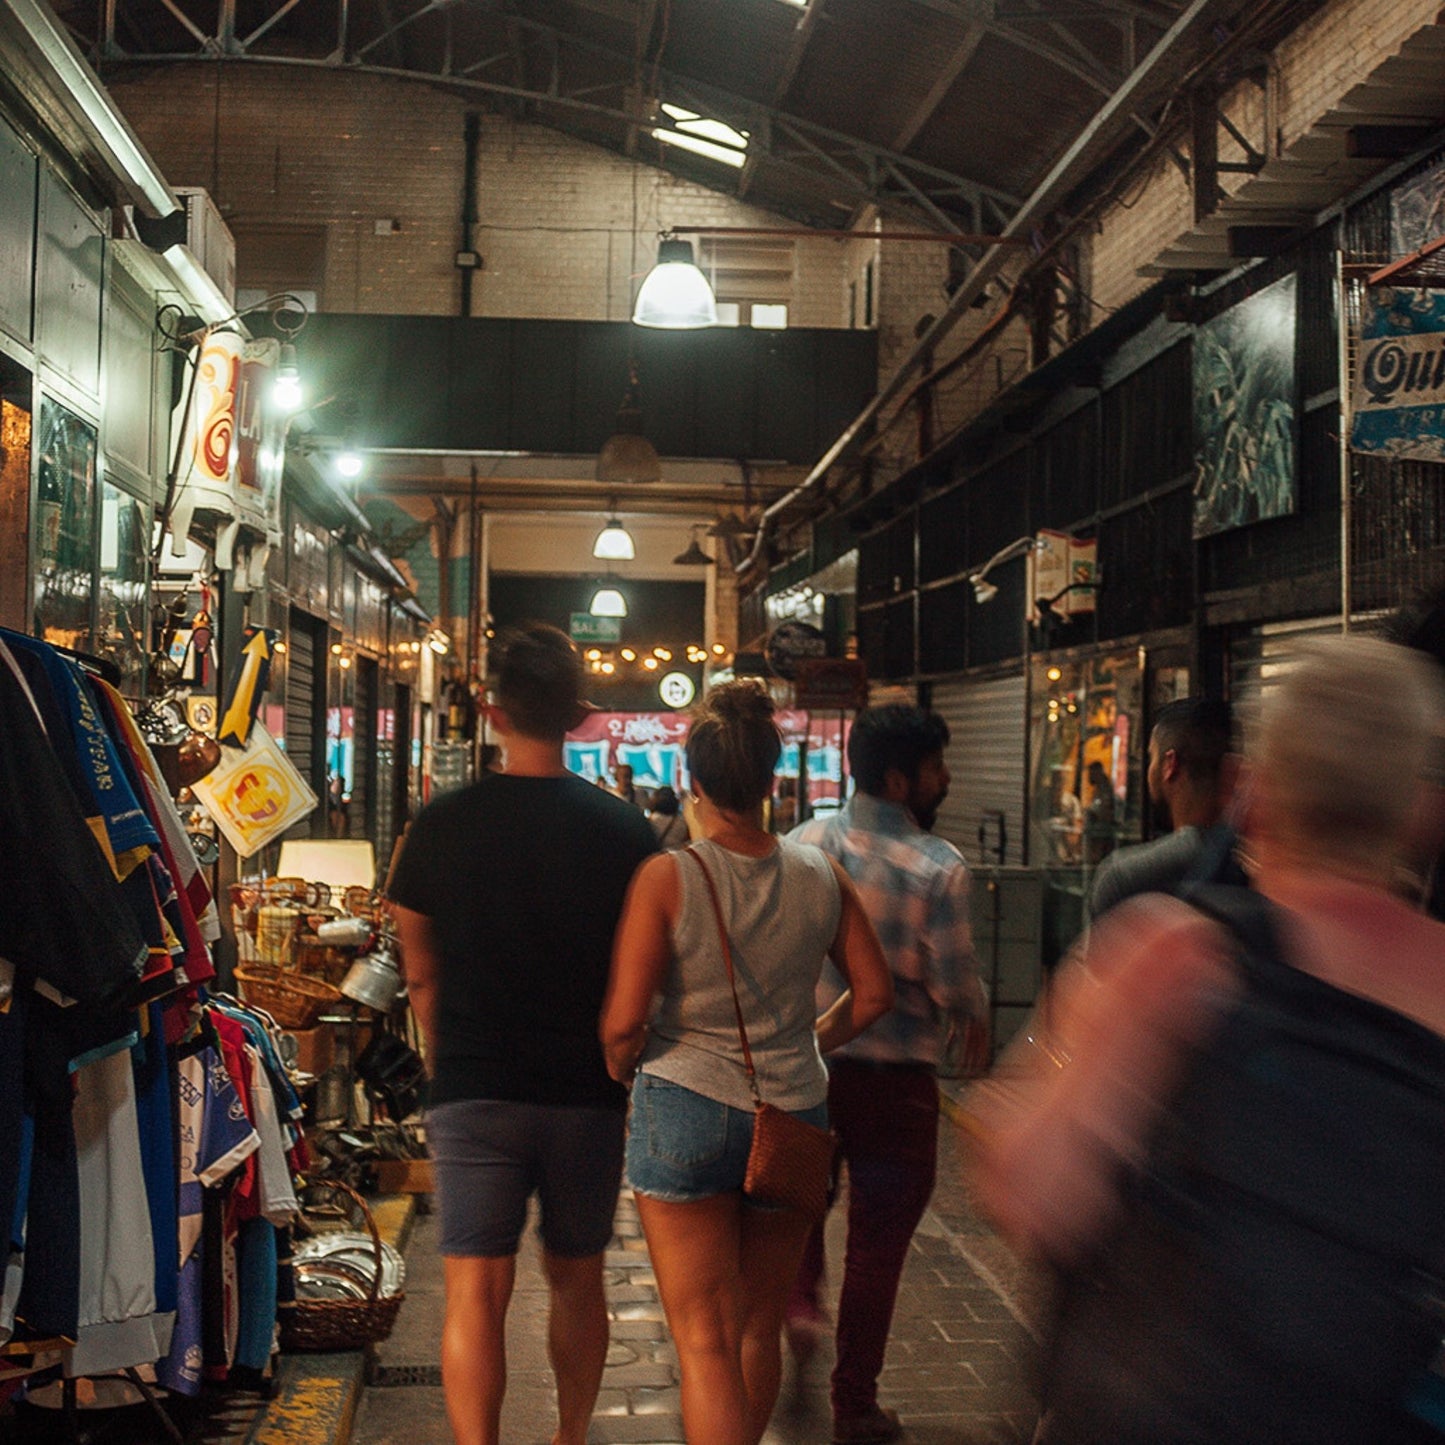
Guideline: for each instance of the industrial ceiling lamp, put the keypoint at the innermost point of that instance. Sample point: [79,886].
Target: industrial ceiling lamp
[614,542]
[607,601]
[694,556]
[627,457]
[675,295]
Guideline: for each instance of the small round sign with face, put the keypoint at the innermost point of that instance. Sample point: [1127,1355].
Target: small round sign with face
[677,689]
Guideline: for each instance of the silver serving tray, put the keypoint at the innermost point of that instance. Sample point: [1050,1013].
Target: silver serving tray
[355,1254]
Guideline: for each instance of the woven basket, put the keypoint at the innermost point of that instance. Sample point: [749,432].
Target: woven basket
[294,1000]
[341,1324]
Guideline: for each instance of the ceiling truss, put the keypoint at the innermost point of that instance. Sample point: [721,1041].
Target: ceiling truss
[528,72]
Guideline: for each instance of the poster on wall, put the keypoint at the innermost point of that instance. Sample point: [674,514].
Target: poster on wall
[1245,413]
[255,793]
[1417,211]
[1397,401]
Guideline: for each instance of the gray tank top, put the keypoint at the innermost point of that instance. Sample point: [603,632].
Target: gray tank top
[782,915]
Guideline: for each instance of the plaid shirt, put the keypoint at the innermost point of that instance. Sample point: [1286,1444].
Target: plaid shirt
[914,888]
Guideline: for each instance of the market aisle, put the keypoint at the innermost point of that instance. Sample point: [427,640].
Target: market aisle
[955,1368]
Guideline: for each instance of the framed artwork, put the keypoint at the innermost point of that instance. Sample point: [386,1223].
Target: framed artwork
[1245,412]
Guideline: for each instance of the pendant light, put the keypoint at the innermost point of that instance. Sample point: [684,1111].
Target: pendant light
[607,601]
[676,295]
[627,457]
[614,542]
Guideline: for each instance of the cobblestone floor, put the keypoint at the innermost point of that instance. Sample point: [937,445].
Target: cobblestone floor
[956,1371]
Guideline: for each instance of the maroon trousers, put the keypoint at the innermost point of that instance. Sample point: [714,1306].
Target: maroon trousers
[886,1119]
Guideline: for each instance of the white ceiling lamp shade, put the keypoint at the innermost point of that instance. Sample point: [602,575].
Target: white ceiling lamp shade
[627,458]
[607,601]
[614,542]
[676,295]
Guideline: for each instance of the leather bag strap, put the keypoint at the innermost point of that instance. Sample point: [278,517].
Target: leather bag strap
[727,953]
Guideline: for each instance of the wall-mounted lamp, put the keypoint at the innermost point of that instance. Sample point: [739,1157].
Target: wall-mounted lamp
[607,601]
[286,390]
[348,463]
[675,296]
[694,556]
[984,591]
[439,642]
[614,542]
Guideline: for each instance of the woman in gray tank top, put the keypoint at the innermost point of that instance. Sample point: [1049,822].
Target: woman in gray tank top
[724,1266]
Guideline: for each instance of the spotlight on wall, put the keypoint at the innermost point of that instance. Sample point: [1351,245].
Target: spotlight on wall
[348,463]
[985,591]
[676,295]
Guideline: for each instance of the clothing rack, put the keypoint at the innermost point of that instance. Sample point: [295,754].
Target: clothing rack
[71,1412]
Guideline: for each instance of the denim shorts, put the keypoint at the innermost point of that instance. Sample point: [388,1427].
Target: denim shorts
[492,1155]
[682,1146]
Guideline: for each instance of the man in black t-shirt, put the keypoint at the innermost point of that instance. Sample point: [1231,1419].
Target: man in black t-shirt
[506,896]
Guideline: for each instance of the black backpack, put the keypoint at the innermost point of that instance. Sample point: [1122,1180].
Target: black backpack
[1276,1276]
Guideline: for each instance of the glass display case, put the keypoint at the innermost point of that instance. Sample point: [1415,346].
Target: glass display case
[64,527]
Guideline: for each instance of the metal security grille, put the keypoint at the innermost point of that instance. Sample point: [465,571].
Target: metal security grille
[305,725]
[362,813]
[986,758]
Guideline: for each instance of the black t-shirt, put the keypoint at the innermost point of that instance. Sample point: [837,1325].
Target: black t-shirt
[523,880]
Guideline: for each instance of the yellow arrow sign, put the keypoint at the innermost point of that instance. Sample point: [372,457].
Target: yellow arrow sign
[250,683]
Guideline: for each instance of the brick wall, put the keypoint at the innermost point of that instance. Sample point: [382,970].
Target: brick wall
[565,229]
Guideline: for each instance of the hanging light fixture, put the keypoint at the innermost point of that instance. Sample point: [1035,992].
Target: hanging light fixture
[694,556]
[607,601]
[614,542]
[675,295]
[627,457]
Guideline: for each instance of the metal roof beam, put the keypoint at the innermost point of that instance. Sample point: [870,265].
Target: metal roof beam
[963,53]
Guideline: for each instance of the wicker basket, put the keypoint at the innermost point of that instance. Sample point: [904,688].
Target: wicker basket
[294,1000]
[341,1324]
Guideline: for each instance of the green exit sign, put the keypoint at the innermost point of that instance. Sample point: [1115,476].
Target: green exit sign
[584,627]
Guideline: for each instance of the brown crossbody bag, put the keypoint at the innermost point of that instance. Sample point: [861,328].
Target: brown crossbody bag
[790,1164]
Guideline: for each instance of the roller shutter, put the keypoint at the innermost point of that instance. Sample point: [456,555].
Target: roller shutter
[985,756]
[1260,658]
[362,814]
[305,721]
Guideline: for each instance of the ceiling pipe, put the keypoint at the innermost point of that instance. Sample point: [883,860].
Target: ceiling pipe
[1066,173]
[951,238]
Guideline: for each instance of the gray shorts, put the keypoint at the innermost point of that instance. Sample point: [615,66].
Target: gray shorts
[492,1155]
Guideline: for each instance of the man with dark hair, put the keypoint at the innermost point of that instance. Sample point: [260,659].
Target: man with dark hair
[1188,783]
[507,986]
[882,1090]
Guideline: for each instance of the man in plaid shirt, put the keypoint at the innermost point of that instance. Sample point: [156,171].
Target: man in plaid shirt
[883,1091]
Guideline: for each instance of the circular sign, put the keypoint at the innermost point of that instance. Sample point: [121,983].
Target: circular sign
[791,642]
[677,689]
